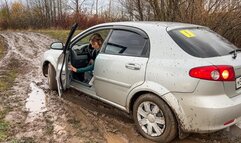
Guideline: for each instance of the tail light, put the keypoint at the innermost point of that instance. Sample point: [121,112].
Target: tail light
[215,73]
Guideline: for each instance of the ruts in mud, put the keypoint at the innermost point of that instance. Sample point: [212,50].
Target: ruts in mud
[37,114]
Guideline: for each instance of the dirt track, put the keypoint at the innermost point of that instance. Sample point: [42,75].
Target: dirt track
[37,114]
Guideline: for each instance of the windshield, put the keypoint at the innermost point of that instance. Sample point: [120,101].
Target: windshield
[201,42]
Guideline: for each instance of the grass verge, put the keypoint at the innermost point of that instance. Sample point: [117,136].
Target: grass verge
[2,48]
[60,35]
[50,128]
[7,79]
[23,140]
[4,126]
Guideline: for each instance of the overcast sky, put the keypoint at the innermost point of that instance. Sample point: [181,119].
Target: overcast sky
[87,2]
[102,4]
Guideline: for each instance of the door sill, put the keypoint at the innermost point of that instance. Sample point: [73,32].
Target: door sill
[83,87]
[82,83]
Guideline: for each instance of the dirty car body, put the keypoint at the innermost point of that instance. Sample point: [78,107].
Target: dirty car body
[167,75]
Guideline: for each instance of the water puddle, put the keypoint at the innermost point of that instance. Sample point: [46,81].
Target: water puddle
[36,102]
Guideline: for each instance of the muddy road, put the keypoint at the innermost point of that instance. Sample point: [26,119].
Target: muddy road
[36,114]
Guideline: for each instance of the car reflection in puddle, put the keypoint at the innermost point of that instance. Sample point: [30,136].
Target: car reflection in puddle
[36,102]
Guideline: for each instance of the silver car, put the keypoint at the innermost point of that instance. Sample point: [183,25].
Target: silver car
[173,78]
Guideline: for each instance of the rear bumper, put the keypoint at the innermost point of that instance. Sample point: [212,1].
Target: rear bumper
[204,114]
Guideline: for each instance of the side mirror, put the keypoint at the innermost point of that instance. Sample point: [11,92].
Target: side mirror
[57,46]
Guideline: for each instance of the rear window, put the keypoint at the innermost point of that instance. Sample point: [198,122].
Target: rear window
[201,42]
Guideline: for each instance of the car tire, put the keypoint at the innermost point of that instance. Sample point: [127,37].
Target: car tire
[51,77]
[154,118]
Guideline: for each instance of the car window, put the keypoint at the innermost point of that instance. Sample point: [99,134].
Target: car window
[123,42]
[201,42]
[104,33]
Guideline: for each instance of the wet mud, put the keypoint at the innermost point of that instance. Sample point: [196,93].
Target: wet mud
[37,114]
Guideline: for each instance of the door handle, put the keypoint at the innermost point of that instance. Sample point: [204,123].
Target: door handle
[133,66]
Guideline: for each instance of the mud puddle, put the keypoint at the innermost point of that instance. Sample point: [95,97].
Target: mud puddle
[37,114]
[36,102]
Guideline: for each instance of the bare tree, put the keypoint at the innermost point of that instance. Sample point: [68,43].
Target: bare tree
[97,7]
[110,7]
[7,7]
[77,5]
[223,16]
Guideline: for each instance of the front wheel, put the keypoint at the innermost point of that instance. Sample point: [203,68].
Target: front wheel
[154,119]
[52,77]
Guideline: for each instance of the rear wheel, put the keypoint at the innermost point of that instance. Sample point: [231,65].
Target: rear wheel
[154,119]
[51,77]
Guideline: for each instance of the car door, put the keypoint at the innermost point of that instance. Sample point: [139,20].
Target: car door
[62,74]
[121,65]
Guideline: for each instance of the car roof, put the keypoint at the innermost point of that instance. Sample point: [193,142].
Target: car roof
[145,24]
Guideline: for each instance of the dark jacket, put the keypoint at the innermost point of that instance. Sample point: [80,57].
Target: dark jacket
[91,56]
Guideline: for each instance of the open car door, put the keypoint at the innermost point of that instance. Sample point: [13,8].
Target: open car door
[62,63]
[61,73]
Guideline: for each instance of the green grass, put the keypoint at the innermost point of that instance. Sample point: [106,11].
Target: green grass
[75,122]
[60,35]
[50,128]
[3,130]
[23,140]
[7,80]
[3,113]
[4,126]
[7,77]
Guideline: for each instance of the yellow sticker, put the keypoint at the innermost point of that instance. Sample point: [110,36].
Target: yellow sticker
[187,33]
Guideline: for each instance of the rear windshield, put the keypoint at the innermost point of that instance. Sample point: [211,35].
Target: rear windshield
[201,42]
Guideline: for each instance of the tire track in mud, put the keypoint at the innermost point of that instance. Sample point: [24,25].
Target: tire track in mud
[28,54]
[57,120]
[37,114]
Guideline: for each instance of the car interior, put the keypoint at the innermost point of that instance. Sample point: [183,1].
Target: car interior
[79,58]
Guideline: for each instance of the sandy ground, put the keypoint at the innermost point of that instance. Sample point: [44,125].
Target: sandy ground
[37,114]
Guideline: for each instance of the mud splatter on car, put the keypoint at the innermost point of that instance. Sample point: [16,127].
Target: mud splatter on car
[73,118]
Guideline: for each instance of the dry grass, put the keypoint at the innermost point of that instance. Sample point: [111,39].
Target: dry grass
[60,35]
[2,48]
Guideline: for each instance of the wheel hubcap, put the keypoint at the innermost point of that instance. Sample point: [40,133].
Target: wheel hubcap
[151,119]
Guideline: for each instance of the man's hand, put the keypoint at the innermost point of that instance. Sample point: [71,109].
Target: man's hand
[72,68]
[91,61]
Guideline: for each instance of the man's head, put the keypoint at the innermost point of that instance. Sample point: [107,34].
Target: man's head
[96,41]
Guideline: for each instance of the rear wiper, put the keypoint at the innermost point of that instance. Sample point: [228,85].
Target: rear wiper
[234,52]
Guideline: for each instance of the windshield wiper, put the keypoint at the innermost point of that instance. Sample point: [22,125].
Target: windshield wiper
[234,52]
